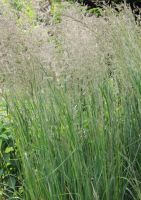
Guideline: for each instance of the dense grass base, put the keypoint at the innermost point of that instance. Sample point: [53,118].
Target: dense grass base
[85,147]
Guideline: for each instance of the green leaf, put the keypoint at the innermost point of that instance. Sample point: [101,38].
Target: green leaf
[11,182]
[4,136]
[9,149]
[1,172]
[1,193]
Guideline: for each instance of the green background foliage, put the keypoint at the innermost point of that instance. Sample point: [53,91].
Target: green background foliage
[10,177]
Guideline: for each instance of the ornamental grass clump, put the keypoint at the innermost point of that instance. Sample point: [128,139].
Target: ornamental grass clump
[78,134]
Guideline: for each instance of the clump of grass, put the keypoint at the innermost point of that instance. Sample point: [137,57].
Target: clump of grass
[79,135]
[82,148]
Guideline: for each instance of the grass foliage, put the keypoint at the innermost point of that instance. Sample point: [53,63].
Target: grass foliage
[78,131]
